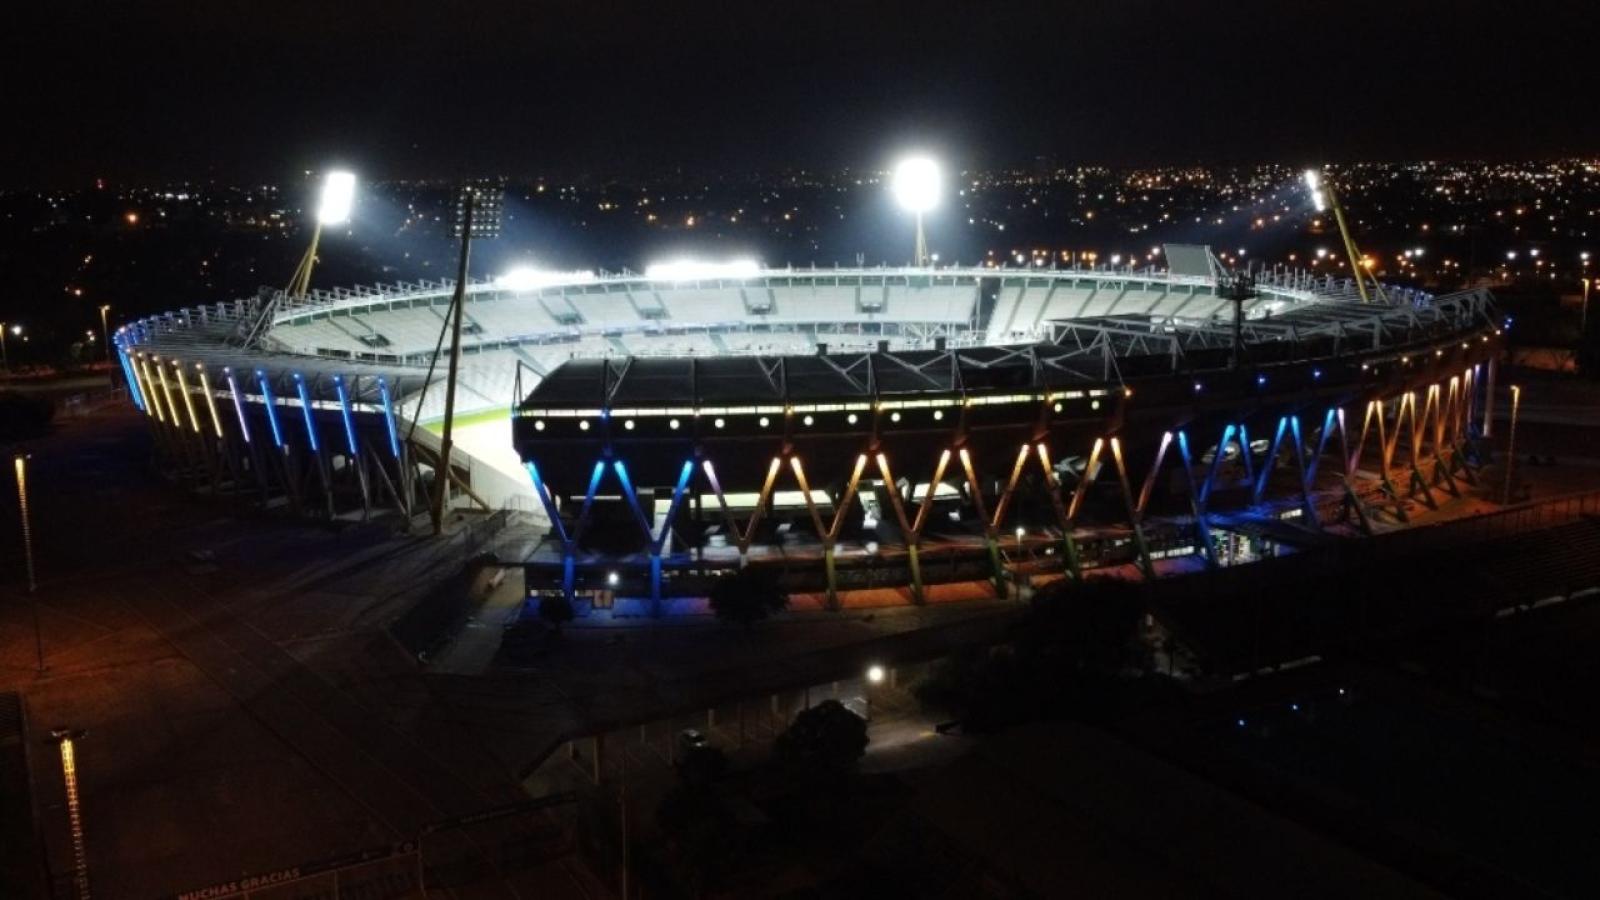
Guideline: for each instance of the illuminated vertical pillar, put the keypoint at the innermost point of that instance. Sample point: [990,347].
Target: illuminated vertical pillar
[150,392]
[305,411]
[272,410]
[1197,503]
[166,391]
[990,529]
[1216,463]
[211,400]
[344,414]
[1269,462]
[388,417]
[568,543]
[1146,566]
[1074,562]
[188,398]
[238,404]
[134,390]
[1488,399]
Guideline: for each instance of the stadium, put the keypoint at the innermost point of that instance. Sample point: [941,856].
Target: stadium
[927,430]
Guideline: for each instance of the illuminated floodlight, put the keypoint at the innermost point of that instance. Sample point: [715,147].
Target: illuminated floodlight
[915,184]
[527,278]
[693,270]
[338,198]
[1314,185]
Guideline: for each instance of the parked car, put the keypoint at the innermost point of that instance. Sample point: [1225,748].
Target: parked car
[690,740]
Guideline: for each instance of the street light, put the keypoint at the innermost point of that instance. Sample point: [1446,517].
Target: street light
[915,185]
[15,330]
[19,464]
[1583,317]
[105,329]
[874,677]
[66,738]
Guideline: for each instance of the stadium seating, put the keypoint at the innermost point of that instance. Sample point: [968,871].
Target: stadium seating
[782,313]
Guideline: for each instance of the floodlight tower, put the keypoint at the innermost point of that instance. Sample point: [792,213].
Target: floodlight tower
[333,208]
[915,184]
[478,208]
[1324,196]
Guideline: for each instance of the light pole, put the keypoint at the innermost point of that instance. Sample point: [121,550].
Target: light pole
[333,208]
[19,464]
[14,329]
[1583,317]
[874,678]
[105,329]
[66,738]
[1511,441]
[915,184]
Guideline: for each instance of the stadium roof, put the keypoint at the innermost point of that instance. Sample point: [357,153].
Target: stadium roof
[635,381]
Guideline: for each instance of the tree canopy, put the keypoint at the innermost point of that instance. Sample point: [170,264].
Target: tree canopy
[825,739]
[747,596]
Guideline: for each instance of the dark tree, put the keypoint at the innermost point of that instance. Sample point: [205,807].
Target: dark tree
[1067,657]
[555,609]
[23,416]
[1088,625]
[747,596]
[826,739]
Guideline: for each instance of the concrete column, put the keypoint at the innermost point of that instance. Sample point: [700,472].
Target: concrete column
[832,574]
[998,569]
[915,561]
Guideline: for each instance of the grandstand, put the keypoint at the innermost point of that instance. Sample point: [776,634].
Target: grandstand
[328,404]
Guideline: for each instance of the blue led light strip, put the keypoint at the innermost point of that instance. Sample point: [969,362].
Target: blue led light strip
[305,409]
[388,417]
[272,411]
[344,411]
[238,404]
[133,383]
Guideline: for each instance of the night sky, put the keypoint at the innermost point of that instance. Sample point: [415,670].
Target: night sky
[144,91]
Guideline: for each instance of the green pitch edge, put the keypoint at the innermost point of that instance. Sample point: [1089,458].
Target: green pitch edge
[478,418]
